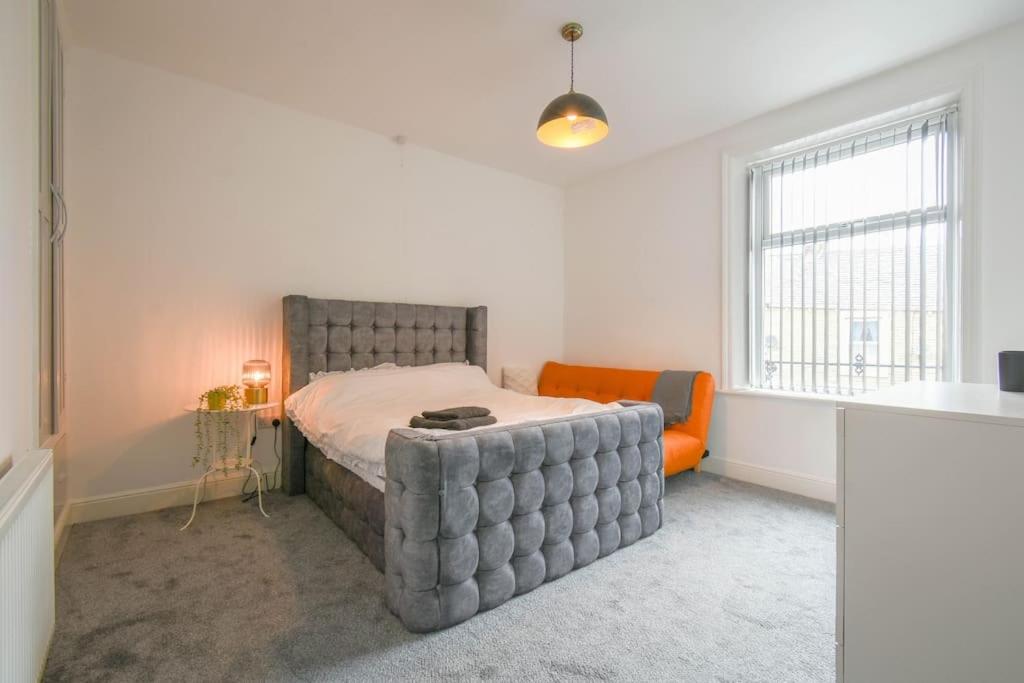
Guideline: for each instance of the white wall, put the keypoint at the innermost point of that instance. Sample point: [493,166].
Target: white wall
[644,252]
[195,209]
[19,172]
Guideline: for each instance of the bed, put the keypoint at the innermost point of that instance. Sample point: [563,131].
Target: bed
[466,520]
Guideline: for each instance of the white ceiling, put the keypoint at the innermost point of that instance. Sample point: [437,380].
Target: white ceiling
[470,77]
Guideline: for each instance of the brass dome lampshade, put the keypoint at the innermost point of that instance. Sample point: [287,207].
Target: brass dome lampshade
[573,119]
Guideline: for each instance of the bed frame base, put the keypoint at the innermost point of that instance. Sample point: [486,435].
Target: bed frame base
[350,502]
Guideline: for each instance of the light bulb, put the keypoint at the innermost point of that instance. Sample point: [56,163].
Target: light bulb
[582,126]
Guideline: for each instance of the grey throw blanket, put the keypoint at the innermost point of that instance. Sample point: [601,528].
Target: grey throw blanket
[674,393]
[460,413]
[457,424]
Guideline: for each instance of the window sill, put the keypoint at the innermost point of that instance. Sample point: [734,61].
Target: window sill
[750,392]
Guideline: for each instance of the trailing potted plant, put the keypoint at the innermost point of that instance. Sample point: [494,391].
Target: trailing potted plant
[227,397]
[216,399]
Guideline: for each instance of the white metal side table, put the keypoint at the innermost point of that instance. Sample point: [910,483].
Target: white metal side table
[244,462]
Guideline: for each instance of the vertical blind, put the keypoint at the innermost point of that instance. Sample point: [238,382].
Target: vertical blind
[853,268]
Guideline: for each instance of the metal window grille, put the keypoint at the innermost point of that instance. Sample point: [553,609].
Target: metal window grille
[853,260]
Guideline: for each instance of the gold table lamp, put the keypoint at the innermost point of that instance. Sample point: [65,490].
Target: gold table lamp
[256,378]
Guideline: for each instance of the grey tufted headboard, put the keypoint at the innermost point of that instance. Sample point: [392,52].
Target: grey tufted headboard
[334,334]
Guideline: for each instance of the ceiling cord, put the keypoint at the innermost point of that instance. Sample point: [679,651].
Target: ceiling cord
[572,65]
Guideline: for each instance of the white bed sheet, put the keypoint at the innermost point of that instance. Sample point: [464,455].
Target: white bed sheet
[348,415]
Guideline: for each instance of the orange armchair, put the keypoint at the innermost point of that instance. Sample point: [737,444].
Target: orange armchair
[685,443]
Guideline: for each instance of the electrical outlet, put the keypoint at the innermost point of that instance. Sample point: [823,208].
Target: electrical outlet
[265,418]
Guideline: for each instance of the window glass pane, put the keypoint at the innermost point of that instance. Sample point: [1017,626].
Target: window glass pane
[856,180]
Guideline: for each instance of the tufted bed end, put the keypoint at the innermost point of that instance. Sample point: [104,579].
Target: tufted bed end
[474,519]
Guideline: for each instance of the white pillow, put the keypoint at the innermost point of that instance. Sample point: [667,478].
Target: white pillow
[521,380]
[314,376]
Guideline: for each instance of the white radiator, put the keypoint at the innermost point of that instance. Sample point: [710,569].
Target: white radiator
[26,567]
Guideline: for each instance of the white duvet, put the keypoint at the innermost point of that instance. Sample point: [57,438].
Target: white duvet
[348,415]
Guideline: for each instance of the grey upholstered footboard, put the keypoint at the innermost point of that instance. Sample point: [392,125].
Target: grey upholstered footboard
[474,519]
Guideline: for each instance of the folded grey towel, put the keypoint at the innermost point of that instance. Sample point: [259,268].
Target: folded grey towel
[460,413]
[673,391]
[458,424]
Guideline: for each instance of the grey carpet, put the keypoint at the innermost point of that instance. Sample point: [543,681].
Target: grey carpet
[737,586]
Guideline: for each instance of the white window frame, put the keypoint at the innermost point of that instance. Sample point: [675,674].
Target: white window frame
[949,359]
[736,263]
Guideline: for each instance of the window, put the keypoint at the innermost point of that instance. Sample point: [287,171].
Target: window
[853,261]
[52,224]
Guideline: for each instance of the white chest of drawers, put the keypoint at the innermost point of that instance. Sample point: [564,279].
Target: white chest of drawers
[930,539]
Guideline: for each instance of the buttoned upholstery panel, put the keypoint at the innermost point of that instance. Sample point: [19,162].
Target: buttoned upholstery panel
[604,385]
[350,502]
[347,335]
[336,334]
[474,519]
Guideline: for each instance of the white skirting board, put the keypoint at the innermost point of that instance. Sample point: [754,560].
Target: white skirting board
[180,494]
[154,498]
[792,482]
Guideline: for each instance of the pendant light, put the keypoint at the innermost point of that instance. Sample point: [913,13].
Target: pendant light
[572,119]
